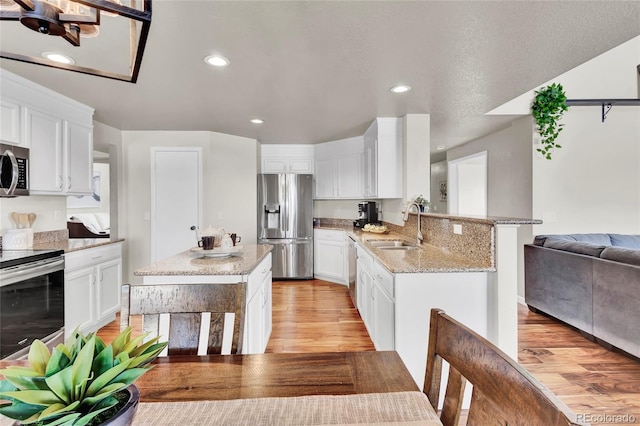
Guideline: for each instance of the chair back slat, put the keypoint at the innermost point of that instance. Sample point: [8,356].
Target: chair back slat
[185,304]
[184,333]
[503,391]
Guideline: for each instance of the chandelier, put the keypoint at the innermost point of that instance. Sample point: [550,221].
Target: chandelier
[72,20]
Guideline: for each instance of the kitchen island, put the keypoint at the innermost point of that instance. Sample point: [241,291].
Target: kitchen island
[251,266]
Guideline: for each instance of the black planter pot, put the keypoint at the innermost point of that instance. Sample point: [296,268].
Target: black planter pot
[124,416]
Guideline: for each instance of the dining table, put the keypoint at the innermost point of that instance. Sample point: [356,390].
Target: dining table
[281,389]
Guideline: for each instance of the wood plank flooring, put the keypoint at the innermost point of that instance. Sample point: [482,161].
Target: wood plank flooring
[601,385]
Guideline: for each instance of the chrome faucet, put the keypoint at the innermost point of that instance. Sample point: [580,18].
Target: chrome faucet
[405,217]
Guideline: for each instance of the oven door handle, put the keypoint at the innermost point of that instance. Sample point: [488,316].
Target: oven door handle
[25,272]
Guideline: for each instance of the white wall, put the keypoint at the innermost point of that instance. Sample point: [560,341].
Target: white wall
[509,177]
[50,210]
[592,184]
[230,169]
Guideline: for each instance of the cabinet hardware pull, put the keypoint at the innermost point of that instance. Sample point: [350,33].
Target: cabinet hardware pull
[59,182]
[69,183]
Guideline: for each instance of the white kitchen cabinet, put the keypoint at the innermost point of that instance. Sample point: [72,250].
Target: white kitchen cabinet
[376,302]
[383,162]
[61,154]
[44,136]
[331,256]
[287,159]
[58,131]
[339,169]
[93,278]
[10,123]
[77,158]
[287,165]
[259,310]
[383,309]
[79,301]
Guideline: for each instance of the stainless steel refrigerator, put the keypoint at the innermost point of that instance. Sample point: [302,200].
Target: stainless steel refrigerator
[285,220]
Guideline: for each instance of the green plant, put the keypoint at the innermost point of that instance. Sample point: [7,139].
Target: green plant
[420,200]
[77,381]
[547,109]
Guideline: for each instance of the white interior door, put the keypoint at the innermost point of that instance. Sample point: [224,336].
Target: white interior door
[176,200]
[468,185]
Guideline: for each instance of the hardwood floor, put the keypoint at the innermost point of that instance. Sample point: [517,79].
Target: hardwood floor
[600,385]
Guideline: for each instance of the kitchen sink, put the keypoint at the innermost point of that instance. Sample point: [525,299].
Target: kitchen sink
[393,245]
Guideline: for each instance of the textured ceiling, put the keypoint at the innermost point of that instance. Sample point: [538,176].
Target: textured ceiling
[321,70]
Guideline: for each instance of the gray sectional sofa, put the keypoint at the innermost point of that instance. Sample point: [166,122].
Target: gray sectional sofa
[589,281]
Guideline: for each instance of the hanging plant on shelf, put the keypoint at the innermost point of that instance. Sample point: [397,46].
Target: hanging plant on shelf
[547,109]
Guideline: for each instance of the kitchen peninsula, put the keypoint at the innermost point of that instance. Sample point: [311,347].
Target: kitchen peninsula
[465,265]
[251,266]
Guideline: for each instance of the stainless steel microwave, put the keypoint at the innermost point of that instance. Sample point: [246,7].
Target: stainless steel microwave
[14,171]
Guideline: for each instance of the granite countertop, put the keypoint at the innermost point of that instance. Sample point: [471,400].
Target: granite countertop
[496,220]
[75,244]
[191,263]
[427,258]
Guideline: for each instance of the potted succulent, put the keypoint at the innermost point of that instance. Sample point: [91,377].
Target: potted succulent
[81,382]
[422,202]
[547,108]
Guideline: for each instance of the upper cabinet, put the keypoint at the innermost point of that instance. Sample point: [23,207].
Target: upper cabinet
[287,159]
[10,122]
[57,130]
[339,169]
[383,162]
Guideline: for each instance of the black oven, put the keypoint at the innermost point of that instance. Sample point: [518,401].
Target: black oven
[31,300]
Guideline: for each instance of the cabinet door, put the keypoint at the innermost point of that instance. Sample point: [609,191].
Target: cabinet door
[329,260]
[325,178]
[301,165]
[109,282]
[79,293]
[349,176]
[44,136]
[78,153]
[274,165]
[370,167]
[383,312]
[10,123]
[267,310]
[366,309]
[253,324]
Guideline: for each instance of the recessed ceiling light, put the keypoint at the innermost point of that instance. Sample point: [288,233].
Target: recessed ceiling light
[58,57]
[440,147]
[257,120]
[400,88]
[217,61]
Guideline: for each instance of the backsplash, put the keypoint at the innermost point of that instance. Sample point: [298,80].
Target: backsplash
[48,236]
[477,240]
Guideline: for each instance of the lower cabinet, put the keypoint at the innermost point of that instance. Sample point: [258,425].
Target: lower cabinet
[93,278]
[331,256]
[376,303]
[259,310]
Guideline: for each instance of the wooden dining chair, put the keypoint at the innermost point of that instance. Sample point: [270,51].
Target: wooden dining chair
[503,393]
[189,307]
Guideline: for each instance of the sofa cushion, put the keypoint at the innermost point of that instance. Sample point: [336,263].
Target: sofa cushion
[103,220]
[598,239]
[578,247]
[622,254]
[628,241]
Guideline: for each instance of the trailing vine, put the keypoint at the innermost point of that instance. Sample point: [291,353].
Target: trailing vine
[547,109]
